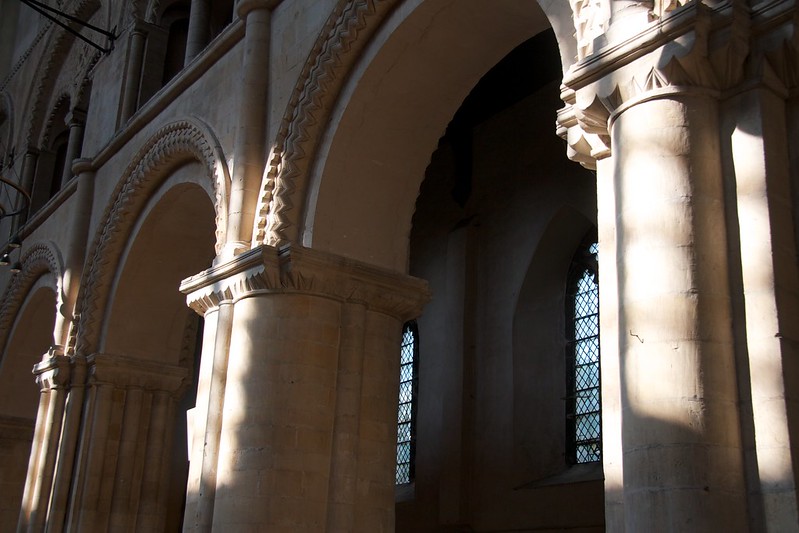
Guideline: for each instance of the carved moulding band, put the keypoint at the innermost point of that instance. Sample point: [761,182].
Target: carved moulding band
[293,269]
[41,259]
[284,186]
[173,145]
[129,372]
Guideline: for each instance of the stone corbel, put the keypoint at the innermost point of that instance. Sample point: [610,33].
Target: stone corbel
[585,130]
[294,269]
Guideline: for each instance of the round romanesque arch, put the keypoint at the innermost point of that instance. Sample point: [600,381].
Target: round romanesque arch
[172,146]
[286,199]
[40,261]
[359,192]
[63,69]
[27,314]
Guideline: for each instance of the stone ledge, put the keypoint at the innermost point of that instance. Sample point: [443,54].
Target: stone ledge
[294,269]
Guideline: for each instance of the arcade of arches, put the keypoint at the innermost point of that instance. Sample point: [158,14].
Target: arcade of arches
[237,206]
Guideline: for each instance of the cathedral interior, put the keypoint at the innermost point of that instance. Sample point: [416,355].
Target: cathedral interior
[399,265]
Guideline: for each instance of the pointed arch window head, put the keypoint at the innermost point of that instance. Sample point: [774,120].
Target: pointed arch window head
[406,413]
[583,402]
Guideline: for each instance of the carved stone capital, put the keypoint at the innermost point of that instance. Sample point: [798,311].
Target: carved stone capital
[126,373]
[294,269]
[587,141]
[52,372]
[687,47]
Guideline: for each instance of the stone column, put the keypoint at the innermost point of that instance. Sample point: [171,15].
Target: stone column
[28,175]
[250,143]
[133,72]
[759,143]
[52,375]
[681,438]
[308,431]
[81,212]
[207,418]
[123,467]
[199,18]
[75,121]
[612,457]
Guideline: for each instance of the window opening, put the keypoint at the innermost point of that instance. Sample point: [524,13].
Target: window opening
[583,401]
[406,414]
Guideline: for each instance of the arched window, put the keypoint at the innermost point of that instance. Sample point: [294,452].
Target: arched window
[176,20]
[583,406]
[406,414]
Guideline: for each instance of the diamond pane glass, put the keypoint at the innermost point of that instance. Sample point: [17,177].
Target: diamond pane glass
[583,404]
[406,405]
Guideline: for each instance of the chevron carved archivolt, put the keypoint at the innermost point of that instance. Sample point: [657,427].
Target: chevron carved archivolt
[174,144]
[41,259]
[285,180]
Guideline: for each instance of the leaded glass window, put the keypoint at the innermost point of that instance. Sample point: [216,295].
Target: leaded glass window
[583,403]
[406,415]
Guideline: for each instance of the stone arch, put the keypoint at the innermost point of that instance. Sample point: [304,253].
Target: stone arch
[63,70]
[346,33]
[355,190]
[174,144]
[27,313]
[42,259]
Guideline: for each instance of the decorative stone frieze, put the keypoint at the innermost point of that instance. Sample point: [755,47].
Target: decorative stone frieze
[296,269]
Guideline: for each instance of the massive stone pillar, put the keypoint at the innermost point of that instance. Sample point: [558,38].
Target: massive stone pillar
[307,438]
[681,441]
[645,114]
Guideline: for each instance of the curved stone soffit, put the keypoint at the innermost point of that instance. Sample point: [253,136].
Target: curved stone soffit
[174,144]
[40,259]
[284,186]
[57,48]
